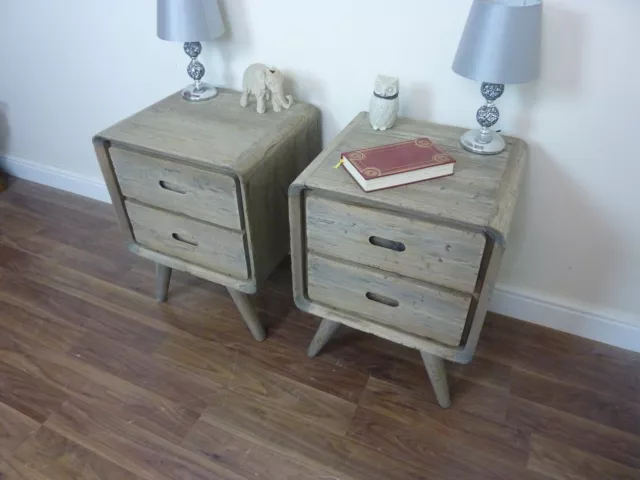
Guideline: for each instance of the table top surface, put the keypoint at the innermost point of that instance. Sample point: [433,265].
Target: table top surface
[480,194]
[215,133]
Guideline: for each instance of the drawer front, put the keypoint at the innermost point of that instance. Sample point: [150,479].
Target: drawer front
[195,242]
[413,248]
[197,193]
[424,310]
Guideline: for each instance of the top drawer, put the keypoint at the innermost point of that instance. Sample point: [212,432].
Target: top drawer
[200,194]
[412,248]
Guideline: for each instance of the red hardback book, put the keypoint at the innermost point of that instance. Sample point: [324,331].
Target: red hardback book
[397,164]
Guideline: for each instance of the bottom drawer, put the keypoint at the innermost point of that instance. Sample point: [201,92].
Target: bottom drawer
[200,243]
[418,308]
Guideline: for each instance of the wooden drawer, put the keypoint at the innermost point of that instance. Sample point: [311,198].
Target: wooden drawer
[179,188]
[196,242]
[424,310]
[413,248]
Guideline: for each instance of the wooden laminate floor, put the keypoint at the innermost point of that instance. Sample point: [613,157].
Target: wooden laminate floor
[98,381]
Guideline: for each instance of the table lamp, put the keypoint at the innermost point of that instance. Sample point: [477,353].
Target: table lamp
[500,45]
[191,21]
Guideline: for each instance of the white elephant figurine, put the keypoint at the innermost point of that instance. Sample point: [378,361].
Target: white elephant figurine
[264,83]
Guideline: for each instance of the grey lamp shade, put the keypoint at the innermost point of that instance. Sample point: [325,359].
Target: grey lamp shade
[501,42]
[189,20]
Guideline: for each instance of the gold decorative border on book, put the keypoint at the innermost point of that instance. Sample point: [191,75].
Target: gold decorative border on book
[382,147]
[371,172]
[441,157]
[428,163]
[355,156]
[423,143]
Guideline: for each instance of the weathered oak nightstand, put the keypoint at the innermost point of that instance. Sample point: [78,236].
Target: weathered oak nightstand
[414,264]
[202,187]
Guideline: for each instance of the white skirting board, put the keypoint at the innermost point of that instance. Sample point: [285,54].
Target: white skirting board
[37,172]
[617,329]
[611,328]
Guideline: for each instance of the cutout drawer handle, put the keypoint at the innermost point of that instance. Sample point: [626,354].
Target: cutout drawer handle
[172,187]
[390,244]
[180,238]
[382,299]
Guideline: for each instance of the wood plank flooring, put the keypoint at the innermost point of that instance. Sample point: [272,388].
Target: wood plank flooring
[98,381]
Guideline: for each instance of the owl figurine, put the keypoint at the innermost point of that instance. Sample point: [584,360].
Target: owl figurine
[383,109]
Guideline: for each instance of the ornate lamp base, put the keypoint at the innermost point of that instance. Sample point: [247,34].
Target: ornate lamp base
[483,141]
[199,93]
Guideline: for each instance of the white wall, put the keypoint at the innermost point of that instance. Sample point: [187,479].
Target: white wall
[71,68]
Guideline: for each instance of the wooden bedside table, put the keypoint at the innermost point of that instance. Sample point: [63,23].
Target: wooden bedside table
[202,187]
[414,264]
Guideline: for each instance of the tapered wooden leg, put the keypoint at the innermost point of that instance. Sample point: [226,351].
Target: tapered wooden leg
[163,277]
[438,377]
[325,331]
[248,314]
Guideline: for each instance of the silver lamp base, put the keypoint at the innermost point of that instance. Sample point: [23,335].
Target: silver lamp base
[199,92]
[483,141]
